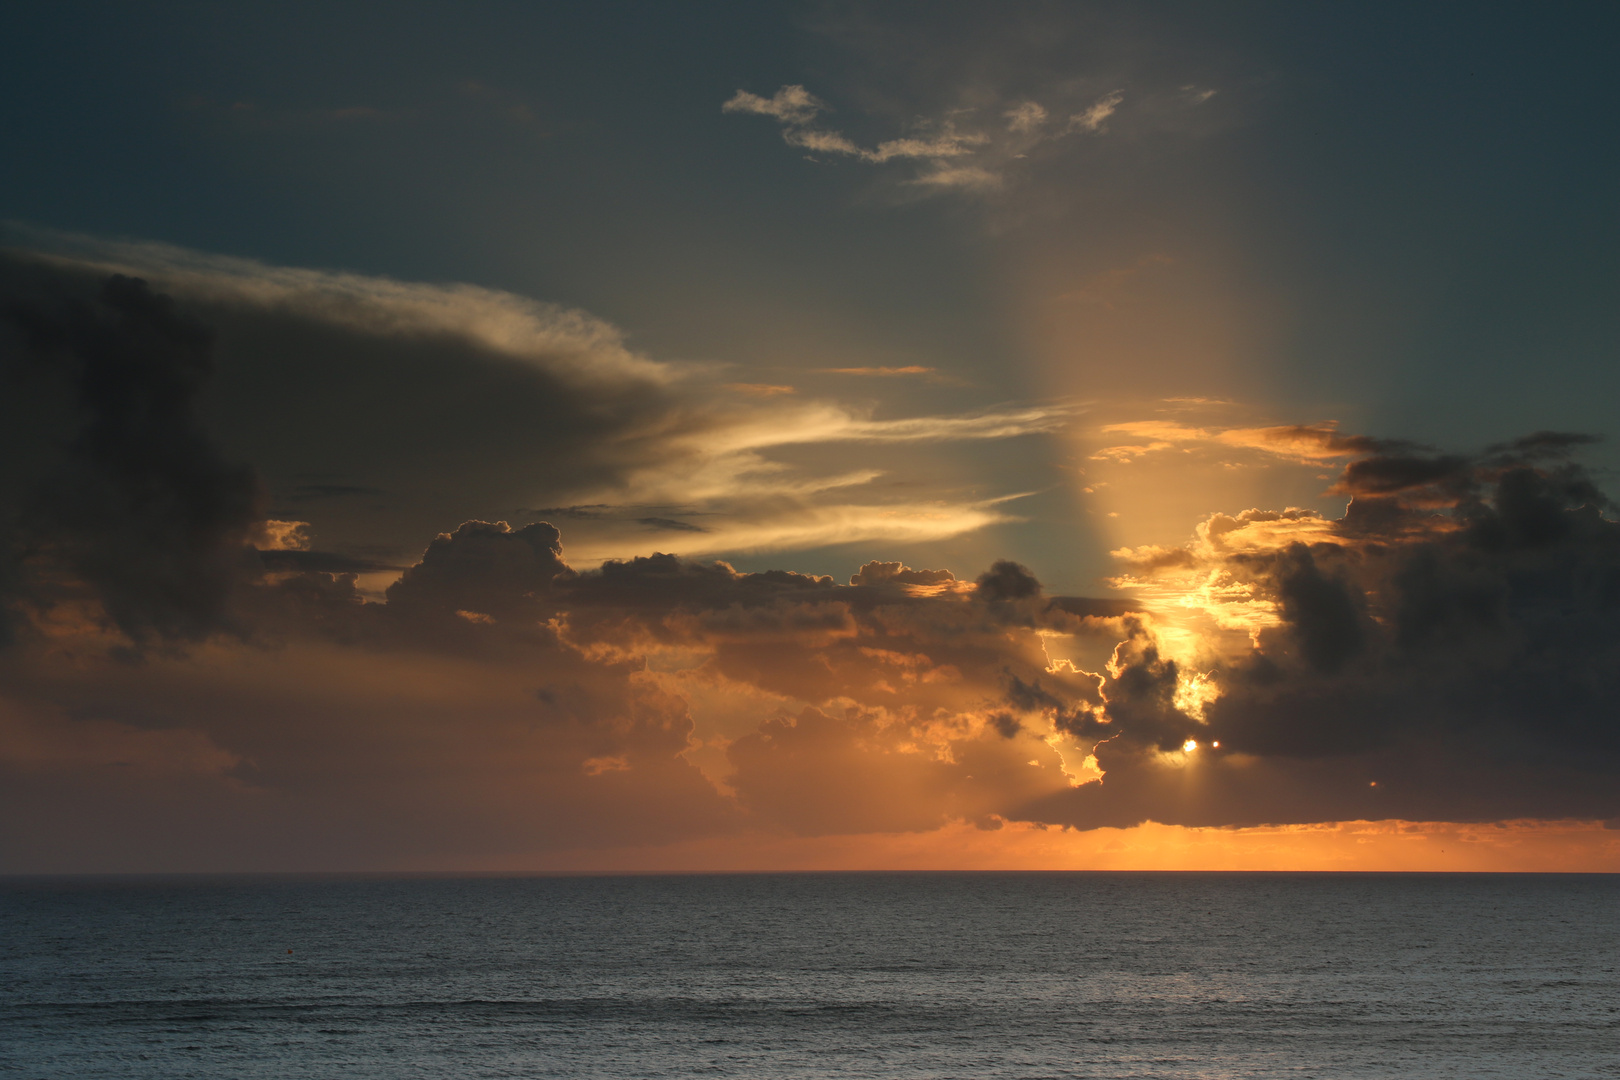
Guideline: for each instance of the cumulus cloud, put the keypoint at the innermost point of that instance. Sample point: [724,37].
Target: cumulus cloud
[496,700]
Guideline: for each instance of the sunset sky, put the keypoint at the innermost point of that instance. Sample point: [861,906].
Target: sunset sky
[497,436]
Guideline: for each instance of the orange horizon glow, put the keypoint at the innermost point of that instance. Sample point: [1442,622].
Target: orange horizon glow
[1355,846]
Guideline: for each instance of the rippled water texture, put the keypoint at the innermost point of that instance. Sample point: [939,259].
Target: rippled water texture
[861,975]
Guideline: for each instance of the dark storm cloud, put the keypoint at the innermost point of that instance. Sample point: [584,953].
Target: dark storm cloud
[110,480]
[1320,609]
[1453,661]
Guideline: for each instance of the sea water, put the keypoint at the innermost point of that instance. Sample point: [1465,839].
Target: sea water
[814,975]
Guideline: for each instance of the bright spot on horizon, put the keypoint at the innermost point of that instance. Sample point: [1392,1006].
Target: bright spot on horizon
[1189,746]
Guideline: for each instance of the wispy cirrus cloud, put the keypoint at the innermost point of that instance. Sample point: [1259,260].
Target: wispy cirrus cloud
[1301,443]
[883,372]
[1094,119]
[962,149]
[791,105]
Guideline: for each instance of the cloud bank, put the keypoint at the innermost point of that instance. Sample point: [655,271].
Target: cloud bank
[191,682]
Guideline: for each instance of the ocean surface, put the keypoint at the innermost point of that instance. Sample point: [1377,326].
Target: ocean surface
[814,975]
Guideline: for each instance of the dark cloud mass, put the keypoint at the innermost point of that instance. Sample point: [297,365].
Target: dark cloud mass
[1447,650]
[1450,653]
[111,482]
[376,405]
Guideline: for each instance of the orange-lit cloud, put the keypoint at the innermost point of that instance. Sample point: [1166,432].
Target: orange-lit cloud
[884,372]
[761,389]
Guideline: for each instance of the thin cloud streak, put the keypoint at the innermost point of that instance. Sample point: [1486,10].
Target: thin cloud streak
[563,341]
[815,526]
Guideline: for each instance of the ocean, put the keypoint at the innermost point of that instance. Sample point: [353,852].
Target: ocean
[813,975]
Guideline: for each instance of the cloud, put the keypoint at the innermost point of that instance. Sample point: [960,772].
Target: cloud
[111,483]
[795,108]
[1094,119]
[823,142]
[1428,655]
[1025,117]
[828,423]
[961,149]
[790,104]
[948,143]
[761,389]
[1303,443]
[377,409]
[1312,442]
[962,177]
[882,372]
[561,341]
[823,526]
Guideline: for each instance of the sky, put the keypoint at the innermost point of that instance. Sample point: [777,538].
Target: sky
[501,436]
